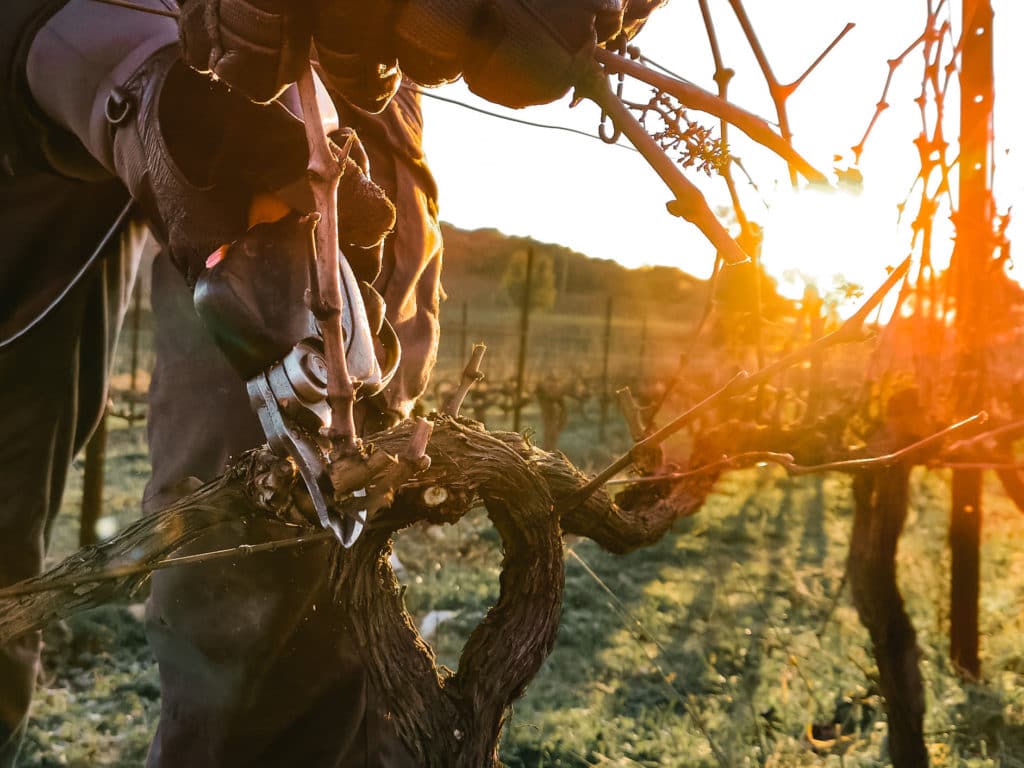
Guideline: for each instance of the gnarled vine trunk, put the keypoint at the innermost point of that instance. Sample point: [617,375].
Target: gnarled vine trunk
[880,511]
[449,719]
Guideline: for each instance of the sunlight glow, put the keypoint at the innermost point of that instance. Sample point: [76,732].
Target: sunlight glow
[606,202]
[835,241]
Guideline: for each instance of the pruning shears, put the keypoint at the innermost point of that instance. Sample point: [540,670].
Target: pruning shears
[259,302]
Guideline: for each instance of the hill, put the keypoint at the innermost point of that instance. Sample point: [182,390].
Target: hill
[476,262]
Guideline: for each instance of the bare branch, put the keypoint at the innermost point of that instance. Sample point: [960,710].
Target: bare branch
[471,374]
[117,573]
[895,457]
[882,105]
[848,331]
[697,98]
[325,172]
[739,461]
[828,49]
[1004,431]
[689,203]
[787,462]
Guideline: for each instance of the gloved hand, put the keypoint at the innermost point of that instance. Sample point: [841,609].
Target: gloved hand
[251,297]
[512,52]
[524,52]
[195,155]
[257,47]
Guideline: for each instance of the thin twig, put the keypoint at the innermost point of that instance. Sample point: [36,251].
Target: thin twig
[695,97]
[786,461]
[739,461]
[689,203]
[325,172]
[779,92]
[828,49]
[1006,429]
[888,459]
[471,374]
[120,572]
[882,104]
[848,331]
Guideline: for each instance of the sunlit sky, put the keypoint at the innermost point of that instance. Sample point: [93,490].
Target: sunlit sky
[606,202]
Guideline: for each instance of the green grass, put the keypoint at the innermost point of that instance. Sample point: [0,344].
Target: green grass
[724,638]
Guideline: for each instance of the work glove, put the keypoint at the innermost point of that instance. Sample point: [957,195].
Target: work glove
[195,154]
[258,47]
[524,52]
[511,52]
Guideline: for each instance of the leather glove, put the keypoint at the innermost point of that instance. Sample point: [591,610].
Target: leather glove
[511,52]
[355,50]
[259,47]
[195,154]
[524,52]
[256,46]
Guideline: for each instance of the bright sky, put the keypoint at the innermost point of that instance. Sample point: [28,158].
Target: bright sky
[606,202]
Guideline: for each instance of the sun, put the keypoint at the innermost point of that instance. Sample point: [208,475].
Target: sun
[837,240]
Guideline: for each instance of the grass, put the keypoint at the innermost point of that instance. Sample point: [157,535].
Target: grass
[720,645]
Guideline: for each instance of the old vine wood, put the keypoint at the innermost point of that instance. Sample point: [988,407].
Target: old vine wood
[446,718]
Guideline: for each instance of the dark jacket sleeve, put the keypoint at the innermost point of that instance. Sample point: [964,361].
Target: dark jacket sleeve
[410,274]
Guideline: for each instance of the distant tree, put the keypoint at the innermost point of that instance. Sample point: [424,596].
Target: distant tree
[542,282]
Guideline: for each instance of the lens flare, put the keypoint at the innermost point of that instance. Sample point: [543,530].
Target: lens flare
[839,241]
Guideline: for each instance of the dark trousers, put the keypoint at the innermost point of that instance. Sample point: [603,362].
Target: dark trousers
[256,667]
[255,663]
[52,390]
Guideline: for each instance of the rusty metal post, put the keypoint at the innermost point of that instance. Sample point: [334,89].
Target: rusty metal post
[524,332]
[605,395]
[92,483]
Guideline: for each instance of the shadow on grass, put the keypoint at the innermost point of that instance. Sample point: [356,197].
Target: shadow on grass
[982,730]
